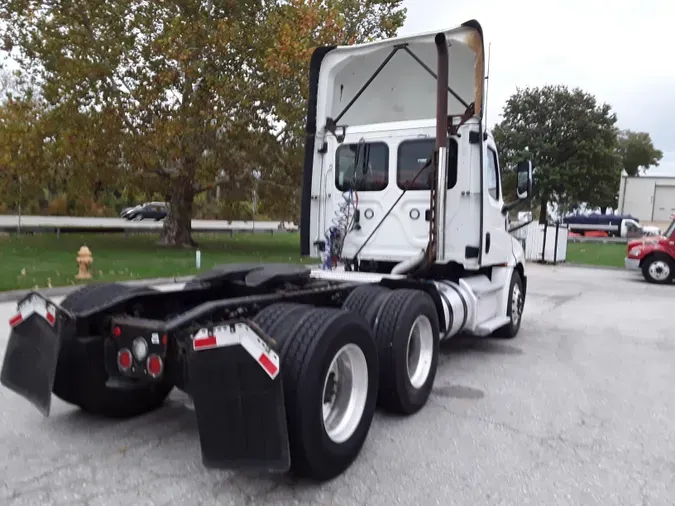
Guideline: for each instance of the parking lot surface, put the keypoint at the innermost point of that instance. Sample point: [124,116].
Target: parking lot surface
[578,409]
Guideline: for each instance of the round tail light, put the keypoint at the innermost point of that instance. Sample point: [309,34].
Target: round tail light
[154,366]
[124,359]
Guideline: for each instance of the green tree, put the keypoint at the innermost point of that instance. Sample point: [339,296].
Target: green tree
[637,151]
[176,77]
[298,27]
[189,90]
[22,159]
[570,138]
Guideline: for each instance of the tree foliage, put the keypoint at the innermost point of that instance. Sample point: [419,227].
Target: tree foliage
[175,96]
[22,159]
[571,140]
[637,152]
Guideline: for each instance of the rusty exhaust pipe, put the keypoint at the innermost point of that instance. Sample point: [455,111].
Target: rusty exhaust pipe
[436,248]
[442,91]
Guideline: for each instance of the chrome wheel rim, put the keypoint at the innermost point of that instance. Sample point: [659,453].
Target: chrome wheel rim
[345,389]
[659,270]
[420,351]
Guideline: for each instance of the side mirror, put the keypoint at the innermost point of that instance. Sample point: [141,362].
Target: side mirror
[524,180]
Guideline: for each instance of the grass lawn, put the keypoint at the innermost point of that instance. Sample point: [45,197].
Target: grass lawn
[43,261]
[609,255]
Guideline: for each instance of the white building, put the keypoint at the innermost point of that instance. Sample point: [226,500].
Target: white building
[648,198]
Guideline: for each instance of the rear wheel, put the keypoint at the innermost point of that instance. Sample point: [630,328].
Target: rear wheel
[329,368]
[81,376]
[366,299]
[407,336]
[658,269]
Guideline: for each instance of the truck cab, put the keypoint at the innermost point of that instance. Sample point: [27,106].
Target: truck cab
[369,198]
[374,172]
[654,256]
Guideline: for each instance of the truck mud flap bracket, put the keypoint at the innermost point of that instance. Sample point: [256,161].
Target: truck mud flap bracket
[32,352]
[236,387]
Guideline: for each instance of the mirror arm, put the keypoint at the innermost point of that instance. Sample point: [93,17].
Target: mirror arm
[511,205]
[518,227]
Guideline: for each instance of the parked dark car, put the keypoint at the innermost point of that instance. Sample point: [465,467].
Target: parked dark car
[149,211]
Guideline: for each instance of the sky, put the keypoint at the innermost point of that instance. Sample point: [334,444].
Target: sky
[619,51]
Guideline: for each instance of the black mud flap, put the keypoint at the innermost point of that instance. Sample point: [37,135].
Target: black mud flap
[33,348]
[236,387]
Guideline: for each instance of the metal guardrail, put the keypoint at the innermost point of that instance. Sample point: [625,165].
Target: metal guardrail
[10,223]
[58,223]
[606,240]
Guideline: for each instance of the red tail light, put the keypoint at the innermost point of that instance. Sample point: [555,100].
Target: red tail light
[124,359]
[154,365]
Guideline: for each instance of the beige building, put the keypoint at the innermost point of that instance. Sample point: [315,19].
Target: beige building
[651,199]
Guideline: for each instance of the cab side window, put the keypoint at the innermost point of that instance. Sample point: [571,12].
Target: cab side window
[492,169]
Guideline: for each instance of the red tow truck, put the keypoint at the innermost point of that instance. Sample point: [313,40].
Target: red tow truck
[654,256]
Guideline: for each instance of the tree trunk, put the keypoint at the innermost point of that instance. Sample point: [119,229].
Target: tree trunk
[543,211]
[605,209]
[177,229]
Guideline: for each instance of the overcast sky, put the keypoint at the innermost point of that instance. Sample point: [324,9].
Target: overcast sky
[621,51]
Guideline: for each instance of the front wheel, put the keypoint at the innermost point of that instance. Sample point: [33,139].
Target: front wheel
[658,269]
[514,308]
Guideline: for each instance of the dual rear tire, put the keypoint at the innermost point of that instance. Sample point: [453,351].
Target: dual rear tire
[329,366]
[406,331]
[339,365]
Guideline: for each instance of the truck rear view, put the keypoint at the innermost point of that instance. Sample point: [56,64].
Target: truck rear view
[286,365]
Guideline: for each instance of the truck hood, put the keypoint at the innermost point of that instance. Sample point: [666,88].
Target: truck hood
[403,90]
[645,241]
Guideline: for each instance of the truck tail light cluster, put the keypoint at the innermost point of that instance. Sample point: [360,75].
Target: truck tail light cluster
[140,352]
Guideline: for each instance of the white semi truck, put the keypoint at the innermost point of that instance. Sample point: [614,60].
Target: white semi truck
[402,199]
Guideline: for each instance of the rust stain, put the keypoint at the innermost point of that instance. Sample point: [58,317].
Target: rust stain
[475,42]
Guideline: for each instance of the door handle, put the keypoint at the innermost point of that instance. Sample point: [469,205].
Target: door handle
[487,242]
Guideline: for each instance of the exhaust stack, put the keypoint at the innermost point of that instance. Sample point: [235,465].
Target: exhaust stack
[439,188]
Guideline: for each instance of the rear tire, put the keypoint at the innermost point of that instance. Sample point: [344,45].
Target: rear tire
[364,298]
[329,414]
[407,336]
[80,374]
[658,269]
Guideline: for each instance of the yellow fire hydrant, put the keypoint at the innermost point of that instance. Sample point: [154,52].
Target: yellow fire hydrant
[84,261]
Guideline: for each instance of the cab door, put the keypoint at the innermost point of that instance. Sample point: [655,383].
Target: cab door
[497,242]
[361,196]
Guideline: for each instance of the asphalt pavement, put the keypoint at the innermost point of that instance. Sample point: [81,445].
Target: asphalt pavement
[578,409]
